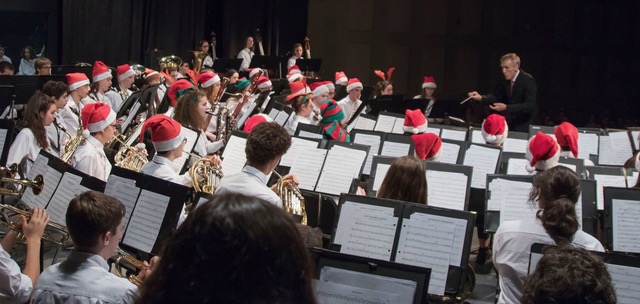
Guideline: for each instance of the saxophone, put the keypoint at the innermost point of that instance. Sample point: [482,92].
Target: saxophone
[292,198]
[72,144]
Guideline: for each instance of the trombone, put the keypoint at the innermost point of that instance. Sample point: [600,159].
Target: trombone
[137,264]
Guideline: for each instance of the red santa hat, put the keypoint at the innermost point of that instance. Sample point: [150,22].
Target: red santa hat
[254,71]
[294,77]
[177,89]
[165,132]
[354,83]
[208,79]
[100,71]
[495,129]
[96,117]
[264,82]
[124,71]
[255,120]
[76,80]
[150,73]
[414,122]
[428,146]
[543,152]
[298,88]
[567,136]
[318,88]
[341,78]
[294,69]
[429,82]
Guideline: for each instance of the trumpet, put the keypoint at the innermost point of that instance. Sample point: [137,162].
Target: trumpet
[59,238]
[10,171]
[124,256]
[292,198]
[37,185]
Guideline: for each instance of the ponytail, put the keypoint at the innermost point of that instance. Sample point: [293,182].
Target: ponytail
[559,220]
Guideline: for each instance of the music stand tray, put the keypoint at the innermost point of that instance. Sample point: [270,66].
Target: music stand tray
[309,65]
[265,62]
[222,65]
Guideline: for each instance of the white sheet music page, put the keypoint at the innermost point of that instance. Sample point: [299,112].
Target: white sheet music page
[41,167]
[373,141]
[518,166]
[476,136]
[427,242]
[385,123]
[125,190]
[614,149]
[446,189]
[341,166]
[68,188]
[366,230]
[453,134]
[635,137]
[515,145]
[626,282]
[484,160]
[515,203]
[450,153]
[307,168]
[604,180]
[282,117]
[364,123]
[494,203]
[626,220]
[381,172]
[307,134]
[233,157]
[333,293]
[406,289]
[395,149]
[3,138]
[570,166]
[587,144]
[291,155]
[146,220]
[397,126]
[435,131]
[273,113]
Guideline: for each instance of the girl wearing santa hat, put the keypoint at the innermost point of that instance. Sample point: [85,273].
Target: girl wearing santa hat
[101,77]
[302,106]
[99,124]
[191,111]
[39,113]
[78,89]
[429,87]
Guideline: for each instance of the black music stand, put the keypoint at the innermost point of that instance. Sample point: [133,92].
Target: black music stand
[265,62]
[222,65]
[394,106]
[309,65]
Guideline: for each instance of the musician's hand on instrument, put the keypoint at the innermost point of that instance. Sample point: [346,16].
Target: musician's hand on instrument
[498,107]
[292,178]
[34,228]
[475,96]
[210,136]
[215,159]
[149,267]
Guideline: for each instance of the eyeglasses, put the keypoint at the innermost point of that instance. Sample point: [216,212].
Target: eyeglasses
[115,126]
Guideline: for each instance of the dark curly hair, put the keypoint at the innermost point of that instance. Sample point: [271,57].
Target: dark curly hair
[557,191]
[55,89]
[266,141]
[232,249]
[569,275]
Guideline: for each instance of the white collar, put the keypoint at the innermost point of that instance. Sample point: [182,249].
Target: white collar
[515,76]
[95,142]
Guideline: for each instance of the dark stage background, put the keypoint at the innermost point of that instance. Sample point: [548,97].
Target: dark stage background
[583,54]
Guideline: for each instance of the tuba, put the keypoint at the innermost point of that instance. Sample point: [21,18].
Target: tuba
[198,58]
[205,175]
[128,157]
[292,198]
[124,256]
[171,61]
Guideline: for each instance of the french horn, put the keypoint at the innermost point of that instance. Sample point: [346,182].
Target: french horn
[292,198]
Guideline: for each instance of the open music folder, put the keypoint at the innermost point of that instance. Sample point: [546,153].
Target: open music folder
[61,184]
[606,177]
[622,219]
[372,139]
[234,157]
[485,159]
[397,145]
[451,132]
[453,151]
[448,185]
[614,148]
[7,127]
[588,143]
[389,122]
[623,269]
[419,235]
[153,207]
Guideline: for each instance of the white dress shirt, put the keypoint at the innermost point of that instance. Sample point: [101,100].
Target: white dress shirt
[251,182]
[5,58]
[292,61]
[246,55]
[27,67]
[115,100]
[15,287]
[57,138]
[69,116]
[292,123]
[207,62]
[90,159]
[83,278]
[511,249]
[348,107]
[24,146]
[162,167]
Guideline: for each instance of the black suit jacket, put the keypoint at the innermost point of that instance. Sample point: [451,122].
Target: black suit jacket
[522,105]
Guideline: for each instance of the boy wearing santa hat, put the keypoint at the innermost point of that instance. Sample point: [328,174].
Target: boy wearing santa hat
[99,127]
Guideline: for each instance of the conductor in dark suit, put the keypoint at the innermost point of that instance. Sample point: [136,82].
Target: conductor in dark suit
[515,97]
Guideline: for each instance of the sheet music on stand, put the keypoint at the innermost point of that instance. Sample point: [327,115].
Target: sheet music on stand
[516,142]
[452,151]
[308,131]
[63,185]
[518,166]
[449,185]
[615,148]
[588,144]
[635,137]
[365,122]
[484,159]
[7,127]
[407,233]
[624,270]
[379,167]
[293,153]
[396,145]
[153,207]
[234,157]
[308,166]
[476,136]
[387,122]
[606,177]
[192,136]
[507,199]
[344,278]
[373,140]
[622,219]
[451,132]
[343,163]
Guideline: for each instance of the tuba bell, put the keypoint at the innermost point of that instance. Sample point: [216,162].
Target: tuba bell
[292,198]
[171,61]
[198,58]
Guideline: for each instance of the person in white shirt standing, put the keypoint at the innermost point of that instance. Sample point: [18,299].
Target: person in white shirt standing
[246,54]
[99,124]
[352,102]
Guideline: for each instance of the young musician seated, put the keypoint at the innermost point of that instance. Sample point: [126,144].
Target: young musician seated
[39,113]
[341,78]
[16,286]
[177,89]
[429,87]
[569,275]
[405,181]
[191,111]
[95,222]
[59,92]
[555,192]
[296,53]
[332,115]
[165,135]
[101,77]
[352,102]
[266,144]
[302,107]
[543,153]
[294,74]
[120,93]
[495,130]
[383,86]
[320,91]
[78,89]
[209,83]
[567,136]
[99,124]
[265,260]
[428,146]
[241,87]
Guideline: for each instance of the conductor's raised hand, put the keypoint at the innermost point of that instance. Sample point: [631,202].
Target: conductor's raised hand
[475,96]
